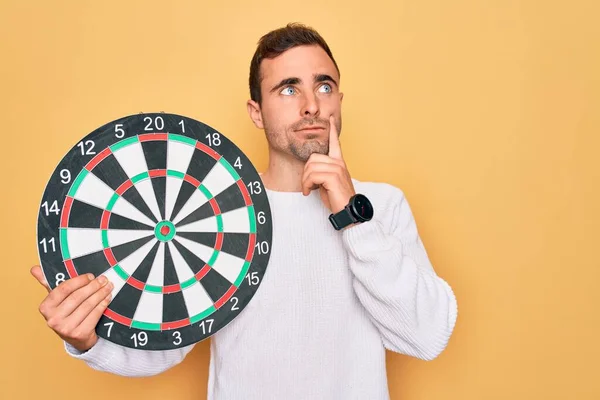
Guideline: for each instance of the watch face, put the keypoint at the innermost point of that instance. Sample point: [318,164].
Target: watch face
[362,207]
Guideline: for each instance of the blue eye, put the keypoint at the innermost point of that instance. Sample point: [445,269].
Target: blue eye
[327,86]
[288,89]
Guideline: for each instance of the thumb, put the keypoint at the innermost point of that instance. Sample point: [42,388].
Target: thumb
[37,273]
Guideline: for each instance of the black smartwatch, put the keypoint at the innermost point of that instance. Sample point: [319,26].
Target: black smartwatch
[358,210]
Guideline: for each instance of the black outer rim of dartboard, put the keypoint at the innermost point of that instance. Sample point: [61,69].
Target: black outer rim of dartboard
[48,227]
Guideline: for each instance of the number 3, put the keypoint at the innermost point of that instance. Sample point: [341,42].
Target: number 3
[177,336]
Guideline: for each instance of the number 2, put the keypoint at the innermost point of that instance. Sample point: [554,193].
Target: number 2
[235,306]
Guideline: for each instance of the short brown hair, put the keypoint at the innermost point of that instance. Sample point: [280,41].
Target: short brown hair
[278,41]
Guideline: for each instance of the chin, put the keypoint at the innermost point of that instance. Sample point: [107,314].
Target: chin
[304,152]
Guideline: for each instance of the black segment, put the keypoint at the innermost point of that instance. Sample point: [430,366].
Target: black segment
[236,244]
[96,263]
[204,211]
[193,261]
[200,165]
[215,284]
[174,308]
[110,172]
[123,251]
[230,199]
[159,184]
[155,152]
[171,277]
[118,222]
[126,301]
[205,238]
[135,198]
[143,270]
[83,215]
[185,192]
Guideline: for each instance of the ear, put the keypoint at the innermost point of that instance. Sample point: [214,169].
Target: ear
[341,96]
[254,113]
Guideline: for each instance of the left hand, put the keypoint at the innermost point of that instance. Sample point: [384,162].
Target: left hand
[329,174]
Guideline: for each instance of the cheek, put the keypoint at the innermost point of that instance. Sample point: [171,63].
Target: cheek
[279,117]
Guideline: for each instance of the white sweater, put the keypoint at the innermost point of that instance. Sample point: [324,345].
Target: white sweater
[329,305]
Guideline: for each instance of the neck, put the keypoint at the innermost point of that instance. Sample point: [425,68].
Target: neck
[283,173]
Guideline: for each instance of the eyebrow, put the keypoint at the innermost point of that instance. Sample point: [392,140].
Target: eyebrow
[294,81]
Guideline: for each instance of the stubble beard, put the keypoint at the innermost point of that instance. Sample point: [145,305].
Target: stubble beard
[301,149]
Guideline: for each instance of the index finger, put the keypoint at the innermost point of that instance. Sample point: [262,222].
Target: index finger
[37,273]
[335,150]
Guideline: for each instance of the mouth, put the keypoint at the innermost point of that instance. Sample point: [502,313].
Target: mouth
[311,129]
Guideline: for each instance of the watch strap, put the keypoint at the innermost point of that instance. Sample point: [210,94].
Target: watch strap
[341,219]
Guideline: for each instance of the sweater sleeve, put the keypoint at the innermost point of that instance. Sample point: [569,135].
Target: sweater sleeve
[109,357]
[414,310]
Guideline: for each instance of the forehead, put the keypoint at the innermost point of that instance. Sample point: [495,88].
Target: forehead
[301,62]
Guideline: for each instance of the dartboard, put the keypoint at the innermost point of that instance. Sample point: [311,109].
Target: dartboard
[173,213]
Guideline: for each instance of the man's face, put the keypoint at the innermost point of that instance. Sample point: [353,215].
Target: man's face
[299,93]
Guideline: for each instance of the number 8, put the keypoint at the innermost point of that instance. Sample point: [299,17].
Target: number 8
[60,277]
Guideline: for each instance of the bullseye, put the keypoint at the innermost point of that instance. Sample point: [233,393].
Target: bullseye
[164,231]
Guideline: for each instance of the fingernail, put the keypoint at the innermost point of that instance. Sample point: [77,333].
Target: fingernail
[90,277]
[102,279]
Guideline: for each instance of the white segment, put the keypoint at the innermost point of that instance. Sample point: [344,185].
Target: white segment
[84,241]
[132,261]
[117,237]
[179,156]
[117,281]
[157,273]
[218,179]
[202,251]
[204,225]
[236,220]
[132,159]
[196,299]
[149,308]
[125,209]
[93,191]
[183,270]
[196,200]
[147,192]
[228,265]
[173,186]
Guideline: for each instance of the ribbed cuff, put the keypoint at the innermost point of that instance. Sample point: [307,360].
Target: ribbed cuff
[99,354]
[367,241]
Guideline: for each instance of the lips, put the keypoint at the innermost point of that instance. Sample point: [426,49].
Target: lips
[312,128]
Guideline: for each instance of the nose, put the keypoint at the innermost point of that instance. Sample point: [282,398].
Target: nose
[310,106]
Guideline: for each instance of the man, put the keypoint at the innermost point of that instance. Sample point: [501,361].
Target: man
[341,286]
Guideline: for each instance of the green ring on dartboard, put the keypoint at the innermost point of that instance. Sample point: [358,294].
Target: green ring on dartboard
[165,231]
[170,211]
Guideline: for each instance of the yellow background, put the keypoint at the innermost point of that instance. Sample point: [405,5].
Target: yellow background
[486,113]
